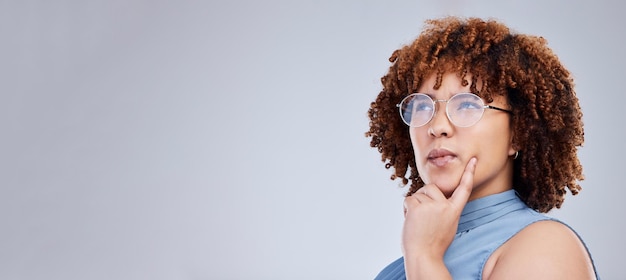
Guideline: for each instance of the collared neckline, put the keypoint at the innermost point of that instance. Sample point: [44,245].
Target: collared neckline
[486,209]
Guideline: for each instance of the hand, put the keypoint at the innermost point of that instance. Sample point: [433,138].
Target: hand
[431,219]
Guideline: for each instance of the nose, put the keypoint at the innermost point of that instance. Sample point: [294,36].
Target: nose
[440,125]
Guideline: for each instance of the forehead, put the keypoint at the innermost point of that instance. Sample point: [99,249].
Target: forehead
[449,84]
[452,83]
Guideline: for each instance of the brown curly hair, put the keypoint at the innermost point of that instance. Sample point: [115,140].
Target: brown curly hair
[546,122]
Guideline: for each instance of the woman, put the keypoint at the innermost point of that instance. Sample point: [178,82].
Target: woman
[486,124]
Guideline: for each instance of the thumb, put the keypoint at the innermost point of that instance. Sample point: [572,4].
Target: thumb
[462,192]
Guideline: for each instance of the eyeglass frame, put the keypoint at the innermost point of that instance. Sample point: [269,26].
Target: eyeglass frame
[434,101]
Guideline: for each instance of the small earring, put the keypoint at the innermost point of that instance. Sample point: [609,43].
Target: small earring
[516,154]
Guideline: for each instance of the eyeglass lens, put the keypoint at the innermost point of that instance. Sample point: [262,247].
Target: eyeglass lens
[463,109]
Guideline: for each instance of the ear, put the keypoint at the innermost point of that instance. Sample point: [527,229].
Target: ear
[513,147]
[512,151]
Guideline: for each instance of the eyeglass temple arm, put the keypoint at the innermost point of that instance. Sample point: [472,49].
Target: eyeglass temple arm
[499,109]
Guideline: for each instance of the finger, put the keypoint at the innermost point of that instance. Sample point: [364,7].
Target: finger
[413,201]
[408,203]
[463,191]
[421,197]
[432,191]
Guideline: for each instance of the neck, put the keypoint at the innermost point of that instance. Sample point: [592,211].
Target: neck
[501,182]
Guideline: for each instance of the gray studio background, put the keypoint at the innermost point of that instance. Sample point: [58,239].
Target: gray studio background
[225,139]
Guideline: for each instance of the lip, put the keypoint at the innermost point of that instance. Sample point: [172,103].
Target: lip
[440,157]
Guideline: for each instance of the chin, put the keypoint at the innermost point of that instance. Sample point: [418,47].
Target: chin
[447,190]
[446,180]
[447,187]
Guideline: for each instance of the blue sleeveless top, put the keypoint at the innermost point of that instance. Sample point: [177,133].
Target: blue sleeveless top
[485,224]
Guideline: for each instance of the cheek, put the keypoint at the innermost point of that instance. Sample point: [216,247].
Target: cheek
[491,154]
[417,139]
[419,142]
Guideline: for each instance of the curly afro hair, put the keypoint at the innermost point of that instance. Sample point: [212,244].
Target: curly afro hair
[546,122]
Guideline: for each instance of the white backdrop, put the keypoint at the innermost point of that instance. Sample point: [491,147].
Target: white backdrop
[225,139]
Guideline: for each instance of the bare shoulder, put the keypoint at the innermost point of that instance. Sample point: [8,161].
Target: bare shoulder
[542,250]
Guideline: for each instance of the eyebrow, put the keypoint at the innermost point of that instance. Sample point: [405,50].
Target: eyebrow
[433,97]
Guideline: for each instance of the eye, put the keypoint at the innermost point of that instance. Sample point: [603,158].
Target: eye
[422,105]
[469,105]
[464,102]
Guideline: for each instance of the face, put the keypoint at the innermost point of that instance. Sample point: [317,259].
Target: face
[442,150]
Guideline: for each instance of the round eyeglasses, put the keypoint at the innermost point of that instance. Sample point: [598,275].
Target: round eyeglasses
[462,109]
